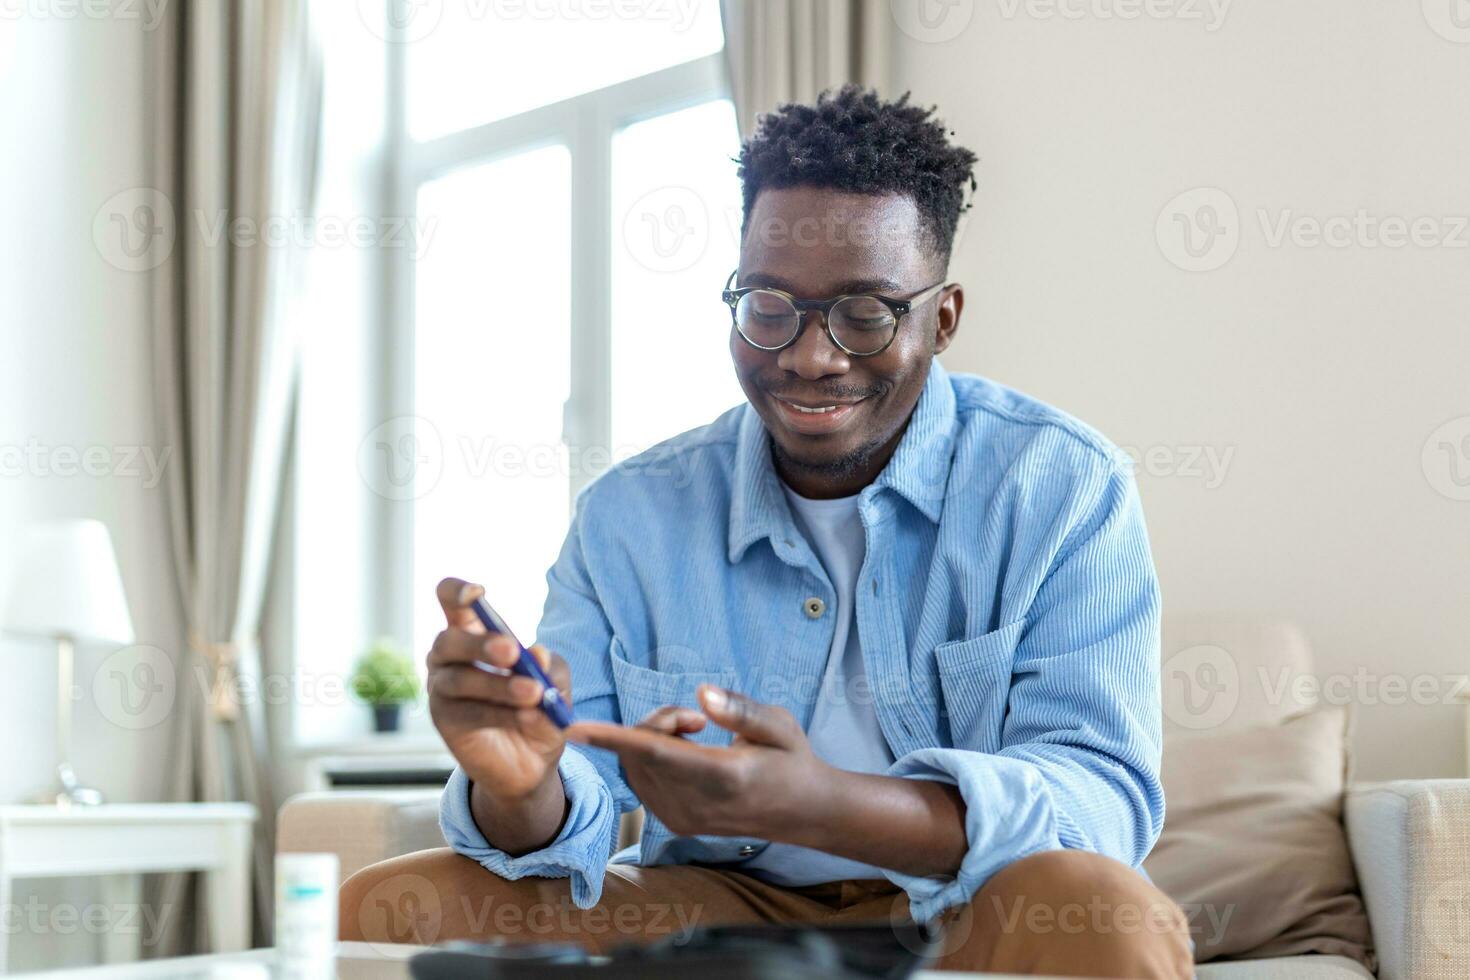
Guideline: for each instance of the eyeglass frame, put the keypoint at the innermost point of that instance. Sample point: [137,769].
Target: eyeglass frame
[898,307]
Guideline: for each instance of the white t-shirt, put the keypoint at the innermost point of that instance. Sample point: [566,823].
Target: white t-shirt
[844,730]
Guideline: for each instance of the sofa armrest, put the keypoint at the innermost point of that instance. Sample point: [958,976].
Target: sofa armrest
[1410,840]
[361,827]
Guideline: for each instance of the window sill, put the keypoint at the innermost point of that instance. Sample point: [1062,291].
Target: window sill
[375,761]
[395,745]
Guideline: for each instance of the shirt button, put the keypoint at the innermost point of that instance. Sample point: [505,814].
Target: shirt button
[747,850]
[814,607]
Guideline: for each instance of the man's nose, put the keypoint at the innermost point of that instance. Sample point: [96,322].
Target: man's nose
[814,355]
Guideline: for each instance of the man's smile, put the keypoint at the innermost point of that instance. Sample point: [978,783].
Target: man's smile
[815,416]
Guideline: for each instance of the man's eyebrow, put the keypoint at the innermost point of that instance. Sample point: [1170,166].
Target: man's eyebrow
[842,288]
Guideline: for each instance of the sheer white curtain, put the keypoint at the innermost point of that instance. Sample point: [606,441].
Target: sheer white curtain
[790,50]
[236,92]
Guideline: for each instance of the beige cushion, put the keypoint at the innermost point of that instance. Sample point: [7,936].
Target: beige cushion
[1253,845]
[1311,967]
[361,827]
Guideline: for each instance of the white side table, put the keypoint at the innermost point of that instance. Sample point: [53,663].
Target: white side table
[120,841]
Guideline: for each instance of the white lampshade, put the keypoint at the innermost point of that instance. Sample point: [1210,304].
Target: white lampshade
[66,583]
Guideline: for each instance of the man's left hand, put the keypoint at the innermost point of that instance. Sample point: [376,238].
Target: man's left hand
[761,785]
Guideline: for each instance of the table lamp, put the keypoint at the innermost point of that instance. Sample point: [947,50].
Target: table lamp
[67,588]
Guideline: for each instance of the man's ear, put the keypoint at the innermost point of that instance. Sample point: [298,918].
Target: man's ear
[951,302]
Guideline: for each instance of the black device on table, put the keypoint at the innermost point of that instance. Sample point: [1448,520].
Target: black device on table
[715,953]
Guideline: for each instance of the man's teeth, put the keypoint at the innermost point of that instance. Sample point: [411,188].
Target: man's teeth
[814,411]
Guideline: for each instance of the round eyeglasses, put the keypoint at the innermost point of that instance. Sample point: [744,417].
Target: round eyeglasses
[860,324]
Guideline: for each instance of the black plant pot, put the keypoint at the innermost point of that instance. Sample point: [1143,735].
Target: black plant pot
[386,717]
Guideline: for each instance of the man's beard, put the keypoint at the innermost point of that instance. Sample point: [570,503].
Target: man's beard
[843,466]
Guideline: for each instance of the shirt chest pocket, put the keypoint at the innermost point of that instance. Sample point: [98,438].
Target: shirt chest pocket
[643,689]
[975,682]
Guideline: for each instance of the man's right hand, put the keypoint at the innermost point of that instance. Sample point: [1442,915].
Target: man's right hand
[493,724]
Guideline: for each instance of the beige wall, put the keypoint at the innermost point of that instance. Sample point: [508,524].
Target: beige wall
[1314,374]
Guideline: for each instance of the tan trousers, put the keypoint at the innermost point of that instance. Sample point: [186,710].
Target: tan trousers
[1064,913]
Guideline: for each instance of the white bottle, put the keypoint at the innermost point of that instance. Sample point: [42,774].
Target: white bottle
[306,909]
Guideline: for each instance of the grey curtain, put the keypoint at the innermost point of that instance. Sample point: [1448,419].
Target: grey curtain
[789,50]
[236,89]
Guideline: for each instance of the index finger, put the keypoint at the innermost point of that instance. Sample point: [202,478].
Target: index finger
[622,738]
[455,596]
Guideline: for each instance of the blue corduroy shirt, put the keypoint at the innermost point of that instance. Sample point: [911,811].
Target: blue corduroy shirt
[1007,607]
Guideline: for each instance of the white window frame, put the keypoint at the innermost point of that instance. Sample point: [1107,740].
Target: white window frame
[585,124]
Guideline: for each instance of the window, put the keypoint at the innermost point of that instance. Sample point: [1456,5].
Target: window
[492,370]
[470,63]
[570,188]
[676,210]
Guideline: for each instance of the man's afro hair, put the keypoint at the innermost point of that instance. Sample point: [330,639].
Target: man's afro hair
[852,140]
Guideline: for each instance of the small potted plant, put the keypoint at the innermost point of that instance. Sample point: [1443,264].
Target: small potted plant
[385,680]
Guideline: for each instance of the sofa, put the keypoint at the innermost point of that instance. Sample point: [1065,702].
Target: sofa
[1409,839]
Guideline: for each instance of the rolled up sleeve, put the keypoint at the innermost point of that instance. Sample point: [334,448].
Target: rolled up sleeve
[1081,745]
[579,851]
